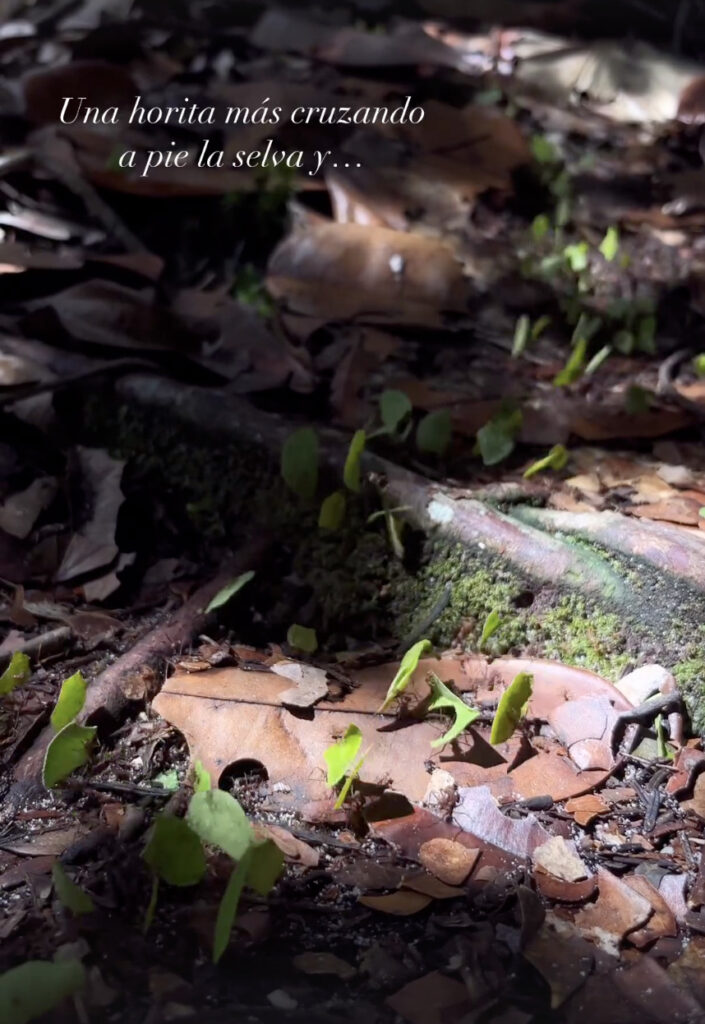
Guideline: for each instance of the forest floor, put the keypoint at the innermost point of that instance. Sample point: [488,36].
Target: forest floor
[352,550]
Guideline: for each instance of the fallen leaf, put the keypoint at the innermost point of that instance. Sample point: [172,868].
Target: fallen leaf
[324,963]
[448,860]
[294,849]
[557,858]
[617,911]
[93,546]
[311,683]
[476,812]
[402,903]
[563,959]
[585,809]
[554,776]
[430,999]
[661,924]
[46,844]
[433,887]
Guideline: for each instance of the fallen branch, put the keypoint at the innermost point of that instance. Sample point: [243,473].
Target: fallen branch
[107,695]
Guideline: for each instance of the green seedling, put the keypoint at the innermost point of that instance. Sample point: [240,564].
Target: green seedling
[230,590]
[409,664]
[512,707]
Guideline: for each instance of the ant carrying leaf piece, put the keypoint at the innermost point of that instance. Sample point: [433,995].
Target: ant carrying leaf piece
[445,698]
[512,707]
[16,674]
[351,472]
[340,758]
[434,432]
[299,463]
[332,512]
[394,408]
[490,627]
[302,638]
[230,590]
[409,664]
[556,459]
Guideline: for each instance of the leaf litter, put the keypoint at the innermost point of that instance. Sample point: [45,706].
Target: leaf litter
[502,825]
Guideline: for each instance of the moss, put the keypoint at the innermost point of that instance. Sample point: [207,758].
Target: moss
[578,633]
[690,676]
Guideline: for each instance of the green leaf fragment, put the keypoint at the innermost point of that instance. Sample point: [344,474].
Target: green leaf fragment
[434,432]
[609,246]
[443,698]
[70,895]
[302,638]
[490,627]
[229,591]
[576,255]
[511,707]
[68,751]
[408,665]
[36,987]
[16,674]
[228,906]
[174,851]
[201,778]
[496,440]
[556,459]
[340,755]
[646,335]
[543,151]
[266,866]
[540,226]
[394,407]
[351,776]
[220,821]
[299,463]
[598,359]
[699,364]
[540,326]
[332,514]
[167,780]
[351,471]
[71,700]
[573,369]
[522,333]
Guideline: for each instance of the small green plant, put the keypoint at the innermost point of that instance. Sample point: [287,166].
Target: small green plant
[556,459]
[512,707]
[497,439]
[230,590]
[342,762]
[408,665]
[302,638]
[434,432]
[443,699]
[69,749]
[299,463]
[16,674]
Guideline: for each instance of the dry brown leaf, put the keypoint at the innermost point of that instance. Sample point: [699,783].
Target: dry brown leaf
[294,849]
[448,860]
[324,963]
[562,958]
[617,911]
[557,858]
[477,813]
[430,999]
[433,887]
[678,509]
[549,774]
[661,924]
[402,903]
[585,809]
